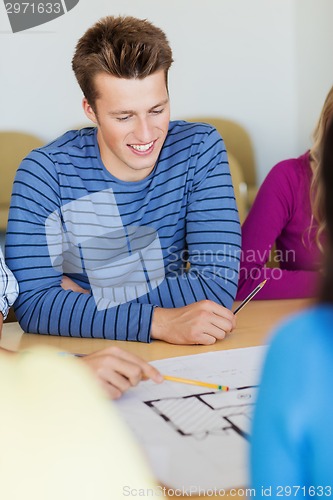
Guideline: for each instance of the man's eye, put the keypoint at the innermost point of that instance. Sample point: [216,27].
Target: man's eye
[157,111]
[122,118]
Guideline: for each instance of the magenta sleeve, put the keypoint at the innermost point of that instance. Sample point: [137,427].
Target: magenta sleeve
[276,204]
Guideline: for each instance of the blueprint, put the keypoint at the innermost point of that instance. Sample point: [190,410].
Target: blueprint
[196,437]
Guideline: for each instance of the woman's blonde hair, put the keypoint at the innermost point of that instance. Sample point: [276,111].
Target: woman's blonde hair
[316,154]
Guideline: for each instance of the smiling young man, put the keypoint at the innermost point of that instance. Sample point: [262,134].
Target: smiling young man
[136,230]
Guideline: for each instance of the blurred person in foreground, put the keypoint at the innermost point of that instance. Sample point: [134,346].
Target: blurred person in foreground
[61,437]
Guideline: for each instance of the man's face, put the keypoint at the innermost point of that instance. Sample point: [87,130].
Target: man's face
[132,116]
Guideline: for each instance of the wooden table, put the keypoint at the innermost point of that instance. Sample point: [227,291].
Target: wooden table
[254,323]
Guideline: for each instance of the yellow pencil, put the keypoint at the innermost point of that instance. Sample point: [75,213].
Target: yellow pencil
[250,296]
[196,382]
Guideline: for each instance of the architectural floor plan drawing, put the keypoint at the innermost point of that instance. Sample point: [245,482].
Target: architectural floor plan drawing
[196,437]
[208,413]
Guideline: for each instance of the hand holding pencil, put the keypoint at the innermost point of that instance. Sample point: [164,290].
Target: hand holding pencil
[208,384]
[203,323]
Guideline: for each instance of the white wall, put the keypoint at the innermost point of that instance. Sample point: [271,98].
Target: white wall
[263,63]
[314,50]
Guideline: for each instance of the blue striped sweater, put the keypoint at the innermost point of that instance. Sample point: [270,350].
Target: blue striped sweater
[127,242]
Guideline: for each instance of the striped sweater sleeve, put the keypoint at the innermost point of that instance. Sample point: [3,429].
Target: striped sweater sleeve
[213,240]
[43,306]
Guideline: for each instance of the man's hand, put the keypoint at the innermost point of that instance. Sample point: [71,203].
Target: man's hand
[203,323]
[118,370]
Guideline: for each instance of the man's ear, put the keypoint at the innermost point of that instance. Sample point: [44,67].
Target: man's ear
[89,112]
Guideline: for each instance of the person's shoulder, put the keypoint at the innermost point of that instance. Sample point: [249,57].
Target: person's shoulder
[291,168]
[74,143]
[287,174]
[184,129]
[300,358]
[305,330]
[71,141]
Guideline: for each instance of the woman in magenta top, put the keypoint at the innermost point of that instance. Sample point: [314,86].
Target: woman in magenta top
[286,213]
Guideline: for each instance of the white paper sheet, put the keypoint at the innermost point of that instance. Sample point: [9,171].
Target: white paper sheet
[196,438]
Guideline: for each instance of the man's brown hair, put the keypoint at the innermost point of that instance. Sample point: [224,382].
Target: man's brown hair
[125,47]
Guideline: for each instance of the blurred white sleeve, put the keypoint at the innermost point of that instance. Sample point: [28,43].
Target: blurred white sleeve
[8,287]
